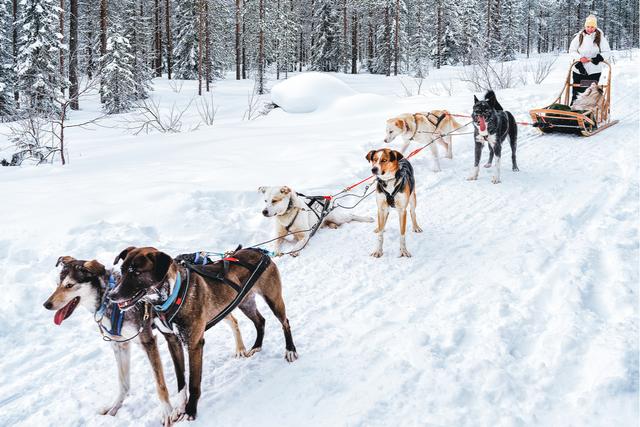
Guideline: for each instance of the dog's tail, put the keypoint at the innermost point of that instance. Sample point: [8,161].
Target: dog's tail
[513,131]
[453,123]
[490,97]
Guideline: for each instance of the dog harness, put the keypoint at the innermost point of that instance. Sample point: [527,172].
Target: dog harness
[403,174]
[323,208]
[170,308]
[117,316]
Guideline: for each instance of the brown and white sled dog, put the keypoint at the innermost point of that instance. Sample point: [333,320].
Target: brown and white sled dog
[293,215]
[395,188]
[589,99]
[424,128]
[150,275]
[85,283]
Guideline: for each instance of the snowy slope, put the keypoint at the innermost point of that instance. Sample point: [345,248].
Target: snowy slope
[519,306]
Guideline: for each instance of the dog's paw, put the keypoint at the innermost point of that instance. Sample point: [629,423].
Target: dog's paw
[166,414]
[291,356]
[487,165]
[377,253]
[436,170]
[332,225]
[253,351]
[295,253]
[495,180]
[417,229]
[516,169]
[240,353]
[472,177]
[404,253]
[376,230]
[277,253]
[110,409]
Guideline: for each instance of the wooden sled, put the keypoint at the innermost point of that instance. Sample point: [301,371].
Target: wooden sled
[558,117]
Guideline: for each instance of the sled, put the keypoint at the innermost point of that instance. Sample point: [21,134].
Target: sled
[558,117]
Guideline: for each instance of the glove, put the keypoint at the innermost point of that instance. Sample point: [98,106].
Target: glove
[581,69]
[597,59]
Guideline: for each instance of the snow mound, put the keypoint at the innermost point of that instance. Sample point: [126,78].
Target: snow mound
[309,92]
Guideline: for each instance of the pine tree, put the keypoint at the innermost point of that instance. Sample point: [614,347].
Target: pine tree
[117,76]
[326,49]
[185,51]
[38,74]
[135,30]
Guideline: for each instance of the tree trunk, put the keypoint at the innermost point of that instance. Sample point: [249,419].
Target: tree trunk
[199,9]
[167,22]
[157,41]
[207,45]
[354,42]
[387,41]
[103,39]
[16,93]
[396,47]
[370,40]
[61,53]
[244,43]
[261,49]
[439,34]
[278,47]
[238,50]
[73,55]
[344,44]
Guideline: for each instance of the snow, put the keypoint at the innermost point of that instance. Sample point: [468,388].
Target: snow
[519,306]
[309,92]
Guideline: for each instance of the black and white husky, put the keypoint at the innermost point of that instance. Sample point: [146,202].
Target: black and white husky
[492,125]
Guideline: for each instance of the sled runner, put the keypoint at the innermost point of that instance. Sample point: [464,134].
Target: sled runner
[558,117]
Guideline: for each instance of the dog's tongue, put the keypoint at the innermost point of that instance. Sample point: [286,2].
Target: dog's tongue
[64,312]
[483,124]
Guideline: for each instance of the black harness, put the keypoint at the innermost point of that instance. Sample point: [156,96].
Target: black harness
[320,206]
[404,174]
[221,275]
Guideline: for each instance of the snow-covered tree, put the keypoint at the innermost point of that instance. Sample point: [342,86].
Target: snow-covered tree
[185,48]
[325,50]
[136,30]
[7,73]
[118,84]
[40,44]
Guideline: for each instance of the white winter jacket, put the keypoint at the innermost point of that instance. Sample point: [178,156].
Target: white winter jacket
[590,50]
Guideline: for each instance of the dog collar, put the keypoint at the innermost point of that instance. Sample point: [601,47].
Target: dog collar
[173,297]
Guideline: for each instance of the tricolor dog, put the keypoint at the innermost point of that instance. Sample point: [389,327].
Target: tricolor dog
[295,216]
[152,276]
[85,283]
[395,188]
[433,127]
[492,125]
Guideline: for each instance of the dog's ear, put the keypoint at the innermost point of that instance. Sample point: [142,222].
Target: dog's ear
[64,260]
[262,189]
[400,124]
[370,155]
[475,99]
[285,190]
[395,155]
[123,254]
[161,264]
[94,267]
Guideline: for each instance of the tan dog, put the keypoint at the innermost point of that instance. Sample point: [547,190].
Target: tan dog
[150,275]
[395,189]
[294,216]
[424,128]
[589,99]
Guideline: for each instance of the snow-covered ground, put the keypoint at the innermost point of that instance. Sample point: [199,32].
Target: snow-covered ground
[519,306]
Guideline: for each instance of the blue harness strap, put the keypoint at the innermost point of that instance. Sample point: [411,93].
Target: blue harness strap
[172,298]
[117,316]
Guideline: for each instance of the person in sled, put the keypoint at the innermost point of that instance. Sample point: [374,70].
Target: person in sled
[588,46]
